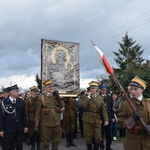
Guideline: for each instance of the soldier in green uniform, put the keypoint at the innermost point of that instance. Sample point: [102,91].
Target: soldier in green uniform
[31,105]
[69,120]
[48,113]
[136,136]
[93,104]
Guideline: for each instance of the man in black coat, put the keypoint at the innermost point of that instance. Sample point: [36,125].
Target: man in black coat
[13,121]
[106,129]
[2,95]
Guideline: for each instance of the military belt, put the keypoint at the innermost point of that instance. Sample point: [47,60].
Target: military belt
[31,110]
[47,111]
[70,108]
[92,112]
[135,130]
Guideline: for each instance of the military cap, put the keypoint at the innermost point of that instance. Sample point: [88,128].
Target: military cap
[138,82]
[14,87]
[34,88]
[102,86]
[7,89]
[93,84]
[48,83]
[88,89]
[82,92]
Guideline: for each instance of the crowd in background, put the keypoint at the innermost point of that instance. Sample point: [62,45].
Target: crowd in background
[41,118]
[30,98]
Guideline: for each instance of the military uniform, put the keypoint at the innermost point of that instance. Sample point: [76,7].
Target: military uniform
[135,135]
[135,139]
[107,129]
[69,120]
[93,105]
[48,113]
[1,122]
[14,122]
[2,96]
[31,105]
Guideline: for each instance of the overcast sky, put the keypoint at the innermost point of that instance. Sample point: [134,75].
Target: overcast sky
[23,23]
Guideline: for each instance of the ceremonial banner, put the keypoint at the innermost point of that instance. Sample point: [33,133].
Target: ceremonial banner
[60,63]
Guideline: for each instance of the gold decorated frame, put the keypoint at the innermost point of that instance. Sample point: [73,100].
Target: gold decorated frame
[60,63]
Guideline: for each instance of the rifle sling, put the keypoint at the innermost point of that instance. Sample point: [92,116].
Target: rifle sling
[148,106]
[42,97]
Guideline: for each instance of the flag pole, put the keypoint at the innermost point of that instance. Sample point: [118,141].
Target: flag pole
[109,69]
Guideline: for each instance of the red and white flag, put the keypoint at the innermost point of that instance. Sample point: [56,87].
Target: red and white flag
[103,60]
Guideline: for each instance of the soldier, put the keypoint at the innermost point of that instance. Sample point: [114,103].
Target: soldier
[48,112]
[136,136]
[106,129]
[14,120]
[1,114]
[31,105]
[69,120]
[93,103]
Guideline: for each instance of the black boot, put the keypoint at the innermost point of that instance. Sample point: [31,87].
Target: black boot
[63,135]
[68,139]
[72,140]
[89,146]
[96,146]
[38,142]
[109,148]
[32,142]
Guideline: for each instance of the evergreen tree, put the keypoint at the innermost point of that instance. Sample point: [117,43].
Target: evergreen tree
[129,53]
[130,61]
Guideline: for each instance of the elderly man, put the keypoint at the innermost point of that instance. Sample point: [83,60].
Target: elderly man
[137,136]
[48,113]
[13,121]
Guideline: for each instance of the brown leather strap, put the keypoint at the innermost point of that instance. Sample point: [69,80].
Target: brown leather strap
[148,106]
[135,130]
[42,96]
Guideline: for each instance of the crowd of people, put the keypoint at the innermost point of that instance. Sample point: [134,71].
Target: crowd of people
[42,119]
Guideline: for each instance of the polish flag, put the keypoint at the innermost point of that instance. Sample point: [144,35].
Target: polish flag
[103,60]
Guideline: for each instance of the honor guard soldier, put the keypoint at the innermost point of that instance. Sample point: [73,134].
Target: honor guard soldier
[137,135]
[69,120]
[93,103]
[31,105]
[14,120]
[48,113]
[109,108]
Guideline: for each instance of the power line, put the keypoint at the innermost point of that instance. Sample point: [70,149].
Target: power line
[135,23]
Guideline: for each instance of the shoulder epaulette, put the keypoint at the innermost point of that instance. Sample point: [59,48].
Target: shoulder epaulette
[147,99]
